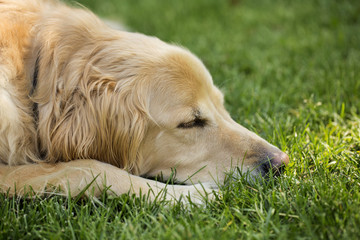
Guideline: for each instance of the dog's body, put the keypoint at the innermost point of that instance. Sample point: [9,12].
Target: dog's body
[121,104]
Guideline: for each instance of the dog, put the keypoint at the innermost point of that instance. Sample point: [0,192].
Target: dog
[84,106]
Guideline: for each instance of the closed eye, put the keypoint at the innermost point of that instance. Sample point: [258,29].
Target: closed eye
[197,122]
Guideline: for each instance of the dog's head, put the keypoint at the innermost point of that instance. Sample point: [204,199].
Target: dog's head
[189,129]
[141,104]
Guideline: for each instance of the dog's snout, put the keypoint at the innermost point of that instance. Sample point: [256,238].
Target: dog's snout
[276,162]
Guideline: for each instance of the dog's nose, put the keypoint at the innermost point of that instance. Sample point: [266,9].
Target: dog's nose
[276,163]
[279,159]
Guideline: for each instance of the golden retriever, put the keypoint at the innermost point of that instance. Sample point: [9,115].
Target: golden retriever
[83,105]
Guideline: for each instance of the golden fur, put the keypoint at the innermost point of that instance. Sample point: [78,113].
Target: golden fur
[121,104]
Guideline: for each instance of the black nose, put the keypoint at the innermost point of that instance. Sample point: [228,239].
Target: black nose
[275,162]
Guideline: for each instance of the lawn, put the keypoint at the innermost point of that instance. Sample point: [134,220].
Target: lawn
[290,71]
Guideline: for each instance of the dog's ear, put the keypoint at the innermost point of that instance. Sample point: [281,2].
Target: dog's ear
[102,118]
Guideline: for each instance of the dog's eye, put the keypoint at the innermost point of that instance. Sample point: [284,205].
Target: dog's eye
[197,122]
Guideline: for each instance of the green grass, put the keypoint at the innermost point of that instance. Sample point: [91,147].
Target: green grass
[291,72]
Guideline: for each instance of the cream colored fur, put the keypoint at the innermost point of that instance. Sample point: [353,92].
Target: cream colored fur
[112,105]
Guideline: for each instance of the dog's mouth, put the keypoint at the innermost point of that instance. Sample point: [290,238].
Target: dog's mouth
[267,169]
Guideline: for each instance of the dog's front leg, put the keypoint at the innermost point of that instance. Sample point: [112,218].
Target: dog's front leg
[92,176]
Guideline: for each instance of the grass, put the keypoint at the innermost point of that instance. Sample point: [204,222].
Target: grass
[290,72]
